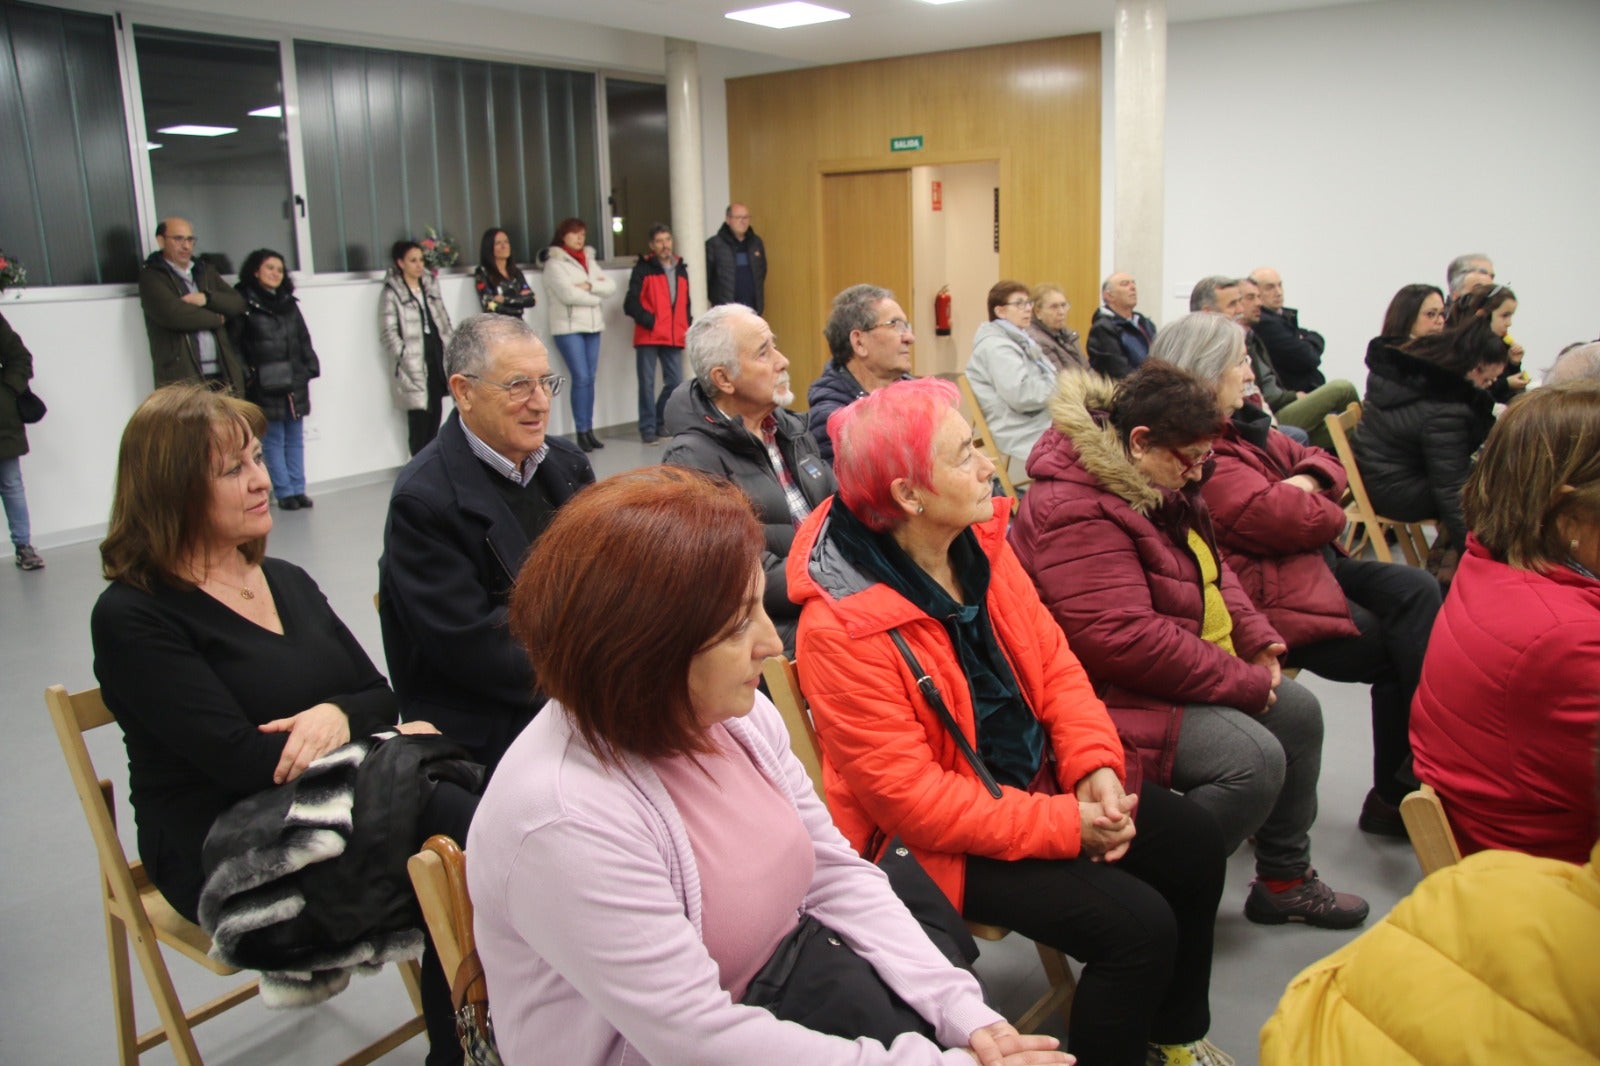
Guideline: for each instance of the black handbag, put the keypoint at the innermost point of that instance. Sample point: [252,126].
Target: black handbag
[275,378]
[814,979]
[30,408]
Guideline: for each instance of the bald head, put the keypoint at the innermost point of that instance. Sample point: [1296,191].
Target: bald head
[1576,363]
[1120,293]
[738,219]
[175,237]
[1271,286]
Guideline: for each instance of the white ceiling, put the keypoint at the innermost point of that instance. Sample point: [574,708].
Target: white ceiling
[876,28]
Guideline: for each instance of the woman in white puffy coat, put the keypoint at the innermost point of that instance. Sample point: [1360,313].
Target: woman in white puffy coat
[576,286]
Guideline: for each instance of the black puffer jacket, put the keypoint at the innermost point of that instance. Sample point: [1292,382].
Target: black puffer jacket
[273,340]
[16,367]
[708,440]
[1420,427]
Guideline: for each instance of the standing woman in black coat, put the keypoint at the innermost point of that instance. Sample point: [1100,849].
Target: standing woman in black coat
[273,340]
[502,290]
[1427,411]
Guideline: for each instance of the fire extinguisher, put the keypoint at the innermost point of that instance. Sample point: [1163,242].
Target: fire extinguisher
[941,312]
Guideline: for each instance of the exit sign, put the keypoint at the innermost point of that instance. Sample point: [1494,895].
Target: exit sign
[905,144]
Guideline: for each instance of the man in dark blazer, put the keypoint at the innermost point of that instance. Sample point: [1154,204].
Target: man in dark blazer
[462,516]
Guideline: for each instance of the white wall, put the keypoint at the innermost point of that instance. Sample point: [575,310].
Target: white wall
[1360,148]
[92,366]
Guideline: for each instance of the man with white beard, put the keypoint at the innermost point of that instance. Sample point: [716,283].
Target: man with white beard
[732,420]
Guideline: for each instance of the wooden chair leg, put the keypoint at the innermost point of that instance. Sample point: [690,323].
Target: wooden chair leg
[121,990]
[411,974]
[180,1037]
[1380,543]
[1059,973]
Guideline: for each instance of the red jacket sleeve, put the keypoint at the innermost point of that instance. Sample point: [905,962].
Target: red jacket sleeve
[1256,514]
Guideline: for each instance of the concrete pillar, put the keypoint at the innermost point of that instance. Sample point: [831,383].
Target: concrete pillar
[1140,130]
[684,164]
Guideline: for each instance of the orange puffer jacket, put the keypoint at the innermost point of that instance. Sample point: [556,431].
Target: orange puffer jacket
[890,767]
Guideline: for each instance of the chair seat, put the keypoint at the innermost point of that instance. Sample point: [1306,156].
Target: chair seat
[173,929]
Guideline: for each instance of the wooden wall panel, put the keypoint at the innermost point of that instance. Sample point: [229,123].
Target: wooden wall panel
[866,233]
[1033,106]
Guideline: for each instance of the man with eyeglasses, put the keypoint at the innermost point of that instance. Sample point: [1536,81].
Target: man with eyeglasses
[186,310]
[870,342]
[1119,336]
[736,262]
[462,516]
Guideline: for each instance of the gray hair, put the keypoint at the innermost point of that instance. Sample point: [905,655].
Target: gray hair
[1576,363]
[472,347]
[1204,343]
[1460,267]
[854,308]
[1204,295]
[710,344]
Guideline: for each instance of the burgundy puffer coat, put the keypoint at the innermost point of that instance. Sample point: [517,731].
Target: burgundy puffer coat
[1272,534]
[1109,555]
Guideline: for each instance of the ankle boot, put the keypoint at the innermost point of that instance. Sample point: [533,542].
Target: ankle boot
[594,441]
[582,440]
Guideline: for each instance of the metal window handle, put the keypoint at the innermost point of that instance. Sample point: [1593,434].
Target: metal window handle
[300,202]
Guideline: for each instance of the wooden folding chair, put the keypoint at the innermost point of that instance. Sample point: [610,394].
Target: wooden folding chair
[1358,508]
[439,874]
[1431,836]
[137,915]
[982,439]
[783,681]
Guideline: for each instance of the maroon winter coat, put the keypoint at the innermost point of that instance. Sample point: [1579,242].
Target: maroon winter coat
[1272,534]
[1108,553]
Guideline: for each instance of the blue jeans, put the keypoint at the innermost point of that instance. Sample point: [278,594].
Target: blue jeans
[284,451]
[581,353]
[16,500]
[652,408]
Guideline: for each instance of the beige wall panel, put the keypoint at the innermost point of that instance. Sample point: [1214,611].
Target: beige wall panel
[1034,107]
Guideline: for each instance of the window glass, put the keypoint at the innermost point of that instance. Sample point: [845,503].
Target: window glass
[636,119]
[213,114]
[64,166]
[397,142]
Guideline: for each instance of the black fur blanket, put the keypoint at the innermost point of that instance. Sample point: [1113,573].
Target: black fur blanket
[306,882]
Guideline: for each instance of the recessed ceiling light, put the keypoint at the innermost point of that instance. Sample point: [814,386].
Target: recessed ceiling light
[941,1]
[198,131]
[151,146]
[787,16]
[276,110]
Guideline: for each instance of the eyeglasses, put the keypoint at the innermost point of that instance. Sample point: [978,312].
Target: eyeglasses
[899,325]
[1019,303]
[1191,465]
[520,389]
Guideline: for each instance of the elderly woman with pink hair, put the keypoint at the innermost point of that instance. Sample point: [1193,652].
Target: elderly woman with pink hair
[953,715]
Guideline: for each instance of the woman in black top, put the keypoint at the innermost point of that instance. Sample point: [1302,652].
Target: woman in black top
[275,344]
[227,672]
[502,290]
[1427,411]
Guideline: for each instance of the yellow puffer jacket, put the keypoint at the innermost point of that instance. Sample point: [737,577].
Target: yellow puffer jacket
[1493,960]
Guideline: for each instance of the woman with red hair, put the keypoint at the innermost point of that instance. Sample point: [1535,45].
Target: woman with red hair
[649,840]
[953,715]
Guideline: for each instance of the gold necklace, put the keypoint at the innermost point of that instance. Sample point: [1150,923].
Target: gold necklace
[244,593]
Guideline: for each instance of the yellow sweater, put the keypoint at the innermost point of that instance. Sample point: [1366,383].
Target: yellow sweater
[1493,960]
[1217,625]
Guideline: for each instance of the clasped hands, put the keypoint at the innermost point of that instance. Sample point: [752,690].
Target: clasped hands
[1106,816]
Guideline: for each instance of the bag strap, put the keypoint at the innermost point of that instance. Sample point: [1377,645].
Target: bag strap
[930,692]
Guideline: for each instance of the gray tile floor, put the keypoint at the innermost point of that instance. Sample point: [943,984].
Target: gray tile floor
[54,997]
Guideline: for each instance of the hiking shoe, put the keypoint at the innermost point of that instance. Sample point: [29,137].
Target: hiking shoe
[1311,902]
[27,558]
[1381,818]
[1199,1053]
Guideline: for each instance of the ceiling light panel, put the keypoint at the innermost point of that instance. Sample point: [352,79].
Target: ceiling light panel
[787,16]
[198,131]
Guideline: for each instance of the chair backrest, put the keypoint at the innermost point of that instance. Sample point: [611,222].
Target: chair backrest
[1340,426]
[439,875]
[783,683]
[73,715]
[982,439]
[1431,836]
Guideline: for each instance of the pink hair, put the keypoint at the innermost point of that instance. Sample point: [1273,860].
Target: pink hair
[888,434]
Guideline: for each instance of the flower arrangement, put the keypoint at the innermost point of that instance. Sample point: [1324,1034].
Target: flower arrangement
[438,250]
[12,273]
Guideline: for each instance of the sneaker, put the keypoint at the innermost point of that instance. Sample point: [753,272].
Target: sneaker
[1381,818]
[1311,902]
[1199,1053]
[305,501]
[27,558]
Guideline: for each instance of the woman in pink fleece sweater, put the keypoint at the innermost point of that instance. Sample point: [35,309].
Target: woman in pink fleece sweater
[649,839]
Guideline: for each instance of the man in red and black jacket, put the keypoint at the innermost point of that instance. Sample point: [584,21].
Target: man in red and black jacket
[658,302]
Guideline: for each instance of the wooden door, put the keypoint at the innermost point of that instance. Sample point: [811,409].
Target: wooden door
[866,239]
